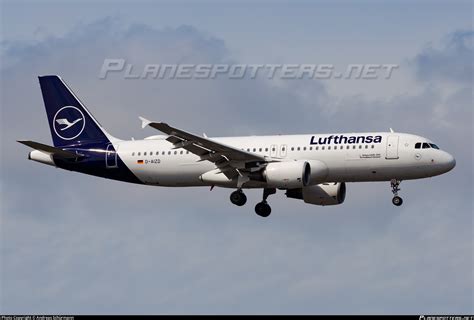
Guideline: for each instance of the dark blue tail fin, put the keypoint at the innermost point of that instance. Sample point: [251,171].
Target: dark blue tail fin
[70,122]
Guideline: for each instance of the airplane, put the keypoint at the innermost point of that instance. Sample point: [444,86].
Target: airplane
[310,167]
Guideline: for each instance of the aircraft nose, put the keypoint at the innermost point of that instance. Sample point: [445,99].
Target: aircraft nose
[449,161]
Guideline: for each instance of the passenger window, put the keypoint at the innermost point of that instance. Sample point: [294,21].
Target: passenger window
[317,148]
[353,147]
[329,148]
[322,148]
[425,145]
[254,149]
[139,153]
[372,146]
[418,145]
[366,146]
[304,148]
[169,152]
[348,146]
[282,149]
[310,148]
[175,152]
[335,147]
[144,153]
[181,152]
[260,150]
[266,149]
[292,148]
[360,147]
[133,154]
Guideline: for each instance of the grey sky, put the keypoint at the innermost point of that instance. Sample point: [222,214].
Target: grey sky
[77,244]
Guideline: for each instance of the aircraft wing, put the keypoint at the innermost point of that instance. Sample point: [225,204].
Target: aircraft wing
[227,158]
[49,149]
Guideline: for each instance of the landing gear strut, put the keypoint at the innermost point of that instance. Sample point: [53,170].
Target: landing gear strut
[396,200]
[238,198]
[263,209]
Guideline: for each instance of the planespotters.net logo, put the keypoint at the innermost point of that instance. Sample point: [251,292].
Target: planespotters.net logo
[69,122]
[285,71]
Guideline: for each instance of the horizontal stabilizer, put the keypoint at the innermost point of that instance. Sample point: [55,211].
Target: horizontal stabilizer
[53,150]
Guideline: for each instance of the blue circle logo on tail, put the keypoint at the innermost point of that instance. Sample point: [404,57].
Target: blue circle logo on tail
[69,122]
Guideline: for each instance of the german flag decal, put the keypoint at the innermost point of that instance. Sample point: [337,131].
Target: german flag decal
[140,161]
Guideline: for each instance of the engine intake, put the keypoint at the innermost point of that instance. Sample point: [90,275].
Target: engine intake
[319,172]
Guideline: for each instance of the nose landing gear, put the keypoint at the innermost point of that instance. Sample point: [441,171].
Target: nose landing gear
[396,200]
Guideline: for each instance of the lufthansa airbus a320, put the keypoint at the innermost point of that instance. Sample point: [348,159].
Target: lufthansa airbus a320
[314,167]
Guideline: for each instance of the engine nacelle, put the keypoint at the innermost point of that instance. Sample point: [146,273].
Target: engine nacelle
[319,172]
[288,174]
[325,194]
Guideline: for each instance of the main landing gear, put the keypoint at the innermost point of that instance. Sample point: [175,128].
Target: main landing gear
[396,200]
[262,208]
[238,198]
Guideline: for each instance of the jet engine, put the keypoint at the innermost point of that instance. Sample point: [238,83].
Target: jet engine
[324,194]
[288,174]
[295,174]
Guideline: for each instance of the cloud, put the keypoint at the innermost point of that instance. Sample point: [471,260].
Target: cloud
[450,62]
[77,244]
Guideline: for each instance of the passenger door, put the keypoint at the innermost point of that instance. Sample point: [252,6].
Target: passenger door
[392,147]
[111,156]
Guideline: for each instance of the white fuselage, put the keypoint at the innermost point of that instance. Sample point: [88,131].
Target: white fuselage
[155,162]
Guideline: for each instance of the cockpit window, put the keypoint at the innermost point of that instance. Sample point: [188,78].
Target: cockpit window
[418,145]
[426,145]
[434,146]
